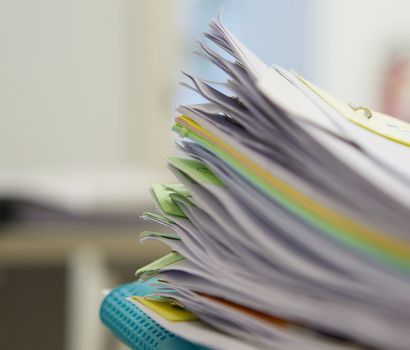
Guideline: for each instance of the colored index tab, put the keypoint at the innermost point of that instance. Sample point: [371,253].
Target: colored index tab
[197,170]
[166,309]
[178,189]
[382,124]
[157,265]
[166,235]
[162,194]
[156,217]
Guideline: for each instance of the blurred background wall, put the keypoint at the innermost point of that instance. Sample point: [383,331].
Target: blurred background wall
[88,90]
[74,74]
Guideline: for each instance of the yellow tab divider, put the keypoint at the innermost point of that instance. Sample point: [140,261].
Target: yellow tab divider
[167,310]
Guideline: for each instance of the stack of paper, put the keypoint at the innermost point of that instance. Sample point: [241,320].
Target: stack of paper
[289,226]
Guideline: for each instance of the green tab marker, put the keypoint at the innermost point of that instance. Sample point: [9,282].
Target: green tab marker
[166,235]
[157,265]
[197,170]
[162,194]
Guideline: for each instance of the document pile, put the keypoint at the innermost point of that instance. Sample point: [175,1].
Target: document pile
[290,224]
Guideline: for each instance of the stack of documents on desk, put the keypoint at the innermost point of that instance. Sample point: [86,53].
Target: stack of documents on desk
[290,222]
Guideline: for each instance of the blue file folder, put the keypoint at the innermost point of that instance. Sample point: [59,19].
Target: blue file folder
[133,327]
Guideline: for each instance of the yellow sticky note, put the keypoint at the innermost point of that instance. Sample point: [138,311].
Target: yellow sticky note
[168,311]
[379,123]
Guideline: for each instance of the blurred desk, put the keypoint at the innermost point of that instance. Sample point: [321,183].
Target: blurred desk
[93,257]
[22,244]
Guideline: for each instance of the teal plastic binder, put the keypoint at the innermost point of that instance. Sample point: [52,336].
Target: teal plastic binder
[133,327]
